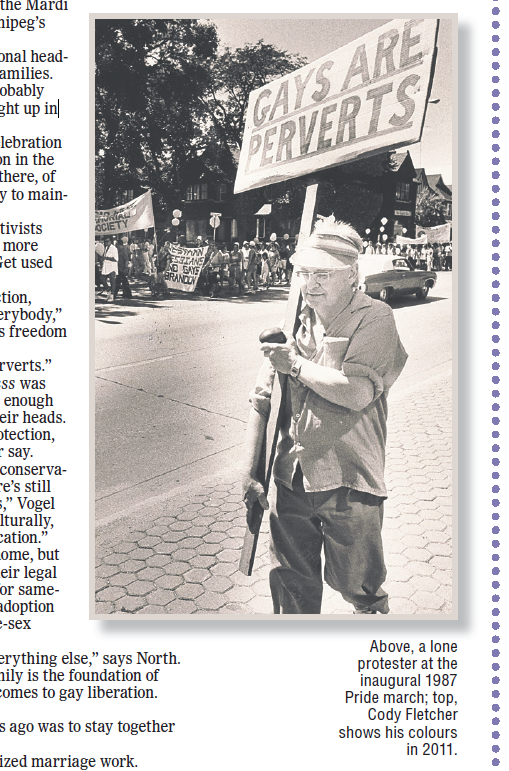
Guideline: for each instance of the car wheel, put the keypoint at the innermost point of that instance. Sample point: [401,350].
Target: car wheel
[422,293]
[385,294]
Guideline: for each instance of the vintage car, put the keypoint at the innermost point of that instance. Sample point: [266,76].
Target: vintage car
[385,276]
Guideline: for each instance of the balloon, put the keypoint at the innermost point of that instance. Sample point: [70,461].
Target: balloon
[286,236]
[273,236]
[384,220]
[368,231]
[384,236]
[177,213]
[175,222]
[382,230]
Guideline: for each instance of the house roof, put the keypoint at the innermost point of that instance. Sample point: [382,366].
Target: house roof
[439,187]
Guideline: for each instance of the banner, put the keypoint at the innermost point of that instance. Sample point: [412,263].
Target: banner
[359,100]
[419,240]
[183,267]
[439,234]
[135,215]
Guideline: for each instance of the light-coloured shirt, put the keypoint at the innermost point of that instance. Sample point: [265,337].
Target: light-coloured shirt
[334,445]
[110,264]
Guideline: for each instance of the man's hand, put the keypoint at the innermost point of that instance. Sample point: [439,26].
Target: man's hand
[282,357]
[252,490]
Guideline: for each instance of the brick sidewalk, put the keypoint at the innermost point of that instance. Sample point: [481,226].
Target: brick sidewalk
[180,555]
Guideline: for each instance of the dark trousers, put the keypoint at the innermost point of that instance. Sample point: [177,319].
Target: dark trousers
[347,525]
[111,278]
[124,283]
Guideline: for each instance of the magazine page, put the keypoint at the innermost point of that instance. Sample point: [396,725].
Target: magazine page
[250,465]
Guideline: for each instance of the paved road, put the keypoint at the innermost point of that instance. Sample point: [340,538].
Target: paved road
[173,376]
[170,425]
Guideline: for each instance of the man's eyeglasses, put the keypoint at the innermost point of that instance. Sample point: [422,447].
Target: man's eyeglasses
[321,276]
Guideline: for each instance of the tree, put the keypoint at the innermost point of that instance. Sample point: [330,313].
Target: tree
[429,209]
[234,75]
[151,75]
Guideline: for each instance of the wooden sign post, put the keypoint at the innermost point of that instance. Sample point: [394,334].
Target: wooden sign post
[278,398]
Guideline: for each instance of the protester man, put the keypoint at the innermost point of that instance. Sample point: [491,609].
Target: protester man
[252,267]
[235,271]
[124,258]
[329,467]
[109,268]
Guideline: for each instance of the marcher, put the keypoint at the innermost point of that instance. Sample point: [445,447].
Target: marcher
[124,259]
[235,272]
[252,267]
[329,467]
[109,268]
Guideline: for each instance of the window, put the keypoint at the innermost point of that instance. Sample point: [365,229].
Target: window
[204,191]
[189,193]
[222,191]
[198,192]
[403,191]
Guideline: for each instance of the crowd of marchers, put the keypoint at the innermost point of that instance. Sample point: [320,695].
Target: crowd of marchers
[251,267]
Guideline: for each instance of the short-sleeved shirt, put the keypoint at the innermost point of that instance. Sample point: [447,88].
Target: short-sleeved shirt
[334,445]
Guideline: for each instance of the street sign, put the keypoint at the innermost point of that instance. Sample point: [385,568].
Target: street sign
[214,221]
[364,98]
[177,213]
[175,222]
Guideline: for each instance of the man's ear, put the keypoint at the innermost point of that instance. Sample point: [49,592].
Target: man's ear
[354,275]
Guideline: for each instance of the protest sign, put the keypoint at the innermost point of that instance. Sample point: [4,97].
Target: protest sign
[439,234]
[420,240]
[365,97]
[135,215]
[183,267]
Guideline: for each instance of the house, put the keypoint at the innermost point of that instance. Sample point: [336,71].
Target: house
[444,193]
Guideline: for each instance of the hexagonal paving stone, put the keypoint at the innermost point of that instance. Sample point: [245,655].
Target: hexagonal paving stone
[141,554]
[181,606]
[189,591]
[420,568]
[202,561]
[140,588]
[113,559]
[416,541]
[426,583]
[236,608]
[184,555]
[444,577]
[160,597]
[209,548]
[240,594]
[150,574]
[152,610]
[417,554]
[427,601]
[105,571]
[436,536]
[179,525]
[223,569]
[190,543]
[129,604]
[214,537]
[261,605]
[131,566]
[168,582]
[158,560]
[440,549]
[402,606]
[111,594]
[149,540]
[173,536]
[125,547]
[218,584]
[228,555]
[399,589]
[399,574]
[197,531]
[211,601]
[104,607]
[122,579]
[166,548]
[157,530]
[101,583]
[197,575]
[442,563]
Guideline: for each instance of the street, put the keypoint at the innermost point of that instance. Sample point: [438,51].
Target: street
[172,381]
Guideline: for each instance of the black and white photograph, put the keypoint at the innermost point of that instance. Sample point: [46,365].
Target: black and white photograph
[275,317]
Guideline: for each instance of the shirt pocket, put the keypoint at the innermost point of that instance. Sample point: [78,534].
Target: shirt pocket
[333,351]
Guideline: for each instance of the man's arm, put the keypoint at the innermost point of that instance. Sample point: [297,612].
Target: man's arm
[252,489]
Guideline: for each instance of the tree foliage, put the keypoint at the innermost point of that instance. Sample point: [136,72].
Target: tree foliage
[429,209]
[236,73]
[151,75]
